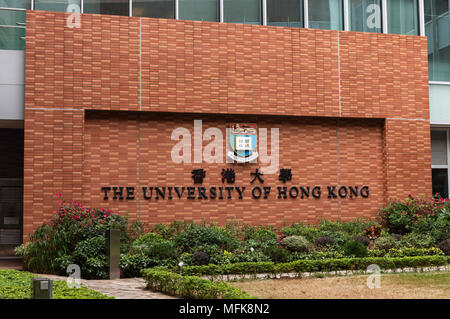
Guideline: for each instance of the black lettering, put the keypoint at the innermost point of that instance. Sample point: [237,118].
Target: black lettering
[364,191]
[266,191]
[178,192]
[282,191]
[229,189]
[353,191]
[170,192]
[316,192]
[259,191]
[240,191]
[220,192]
[293,188]
[331,192]
[191,193]
[144,190]
[160,192]
[201,193]
[106,190]
[343,191]
[118,191]
[212,193]
[130,193]
[305,192]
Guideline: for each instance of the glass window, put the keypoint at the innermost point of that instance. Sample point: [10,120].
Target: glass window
[437,29]
[199,10]
[242,11]
[54,5]
[325,14]
[12,17]
[365,15]
[439,147]
[403,17]
[23,4]
[439,181]
[115,7]
[154,8]
[12,38]
[285,13]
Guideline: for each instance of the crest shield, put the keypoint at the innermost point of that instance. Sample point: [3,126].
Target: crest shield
[243,142]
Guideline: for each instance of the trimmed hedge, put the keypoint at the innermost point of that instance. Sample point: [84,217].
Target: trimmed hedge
[324,265]
[190,286]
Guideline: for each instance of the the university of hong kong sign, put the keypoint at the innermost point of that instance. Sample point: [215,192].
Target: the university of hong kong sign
[256,189]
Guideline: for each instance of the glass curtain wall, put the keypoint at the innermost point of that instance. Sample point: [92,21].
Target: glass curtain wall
[325,14]
[154,8]
[242,11]
[54,5]
[437,29]
[403,17]
[12,30]
[114,7]
[365,15]
[285,13]
[199,10]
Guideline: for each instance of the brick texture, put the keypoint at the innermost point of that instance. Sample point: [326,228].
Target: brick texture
[102,100]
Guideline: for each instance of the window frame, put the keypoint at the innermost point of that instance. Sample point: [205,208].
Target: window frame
[447,167]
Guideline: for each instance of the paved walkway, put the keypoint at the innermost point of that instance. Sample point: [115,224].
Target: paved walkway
[128,288]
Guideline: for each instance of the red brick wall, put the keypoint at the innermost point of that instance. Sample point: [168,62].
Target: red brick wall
[350,105]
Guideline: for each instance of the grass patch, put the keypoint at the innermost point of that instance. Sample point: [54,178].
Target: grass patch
[16,284]
[393,286]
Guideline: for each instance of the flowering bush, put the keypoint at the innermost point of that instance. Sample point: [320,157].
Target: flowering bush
[52,246]
[400,217]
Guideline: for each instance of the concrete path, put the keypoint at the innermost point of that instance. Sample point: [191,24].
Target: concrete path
[128,288]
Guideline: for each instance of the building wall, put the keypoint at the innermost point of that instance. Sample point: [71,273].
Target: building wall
[103,98]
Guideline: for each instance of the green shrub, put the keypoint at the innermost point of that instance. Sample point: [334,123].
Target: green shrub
[325,265]
[260,237]
[238,256]
[131,265]
[90,255]
[355,248]
[16,284]
[385,243]
[190,286]
[194,236]
[148,239]
[445,246]
[310,232]
[296,243]
[339,238]
[401,217]
[362,239]
[277,254]
[415,240]
[323,241]
[200,258]
[410,252]
[50,245]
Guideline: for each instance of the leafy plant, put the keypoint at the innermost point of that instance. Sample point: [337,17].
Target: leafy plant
[296,243]
[200,258]
[362,239]
[386,243]
[355,248]
[445,246]
[324,241]
[277,254]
